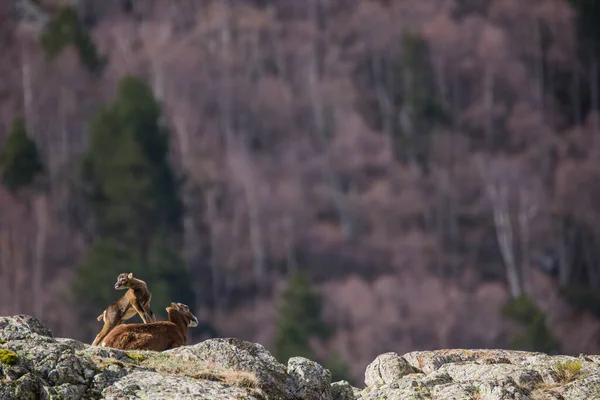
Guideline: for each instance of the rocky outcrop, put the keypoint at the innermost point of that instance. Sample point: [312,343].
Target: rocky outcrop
[35,365]
[481,375]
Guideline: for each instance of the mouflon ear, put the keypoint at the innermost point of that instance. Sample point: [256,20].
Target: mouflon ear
[130,275]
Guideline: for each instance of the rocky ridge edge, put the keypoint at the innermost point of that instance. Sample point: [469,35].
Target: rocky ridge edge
[36,365]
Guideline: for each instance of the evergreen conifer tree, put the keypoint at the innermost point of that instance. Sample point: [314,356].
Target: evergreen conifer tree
[423,109]
[535,336]
[588,12]
[19,160]
[65,29]
[134,198]
[300,320]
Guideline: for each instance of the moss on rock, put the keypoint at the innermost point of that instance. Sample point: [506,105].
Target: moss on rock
[8,357]
[136,356]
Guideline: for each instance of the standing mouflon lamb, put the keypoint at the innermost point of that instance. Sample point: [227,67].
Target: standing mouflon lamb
[136,300]
[156,336]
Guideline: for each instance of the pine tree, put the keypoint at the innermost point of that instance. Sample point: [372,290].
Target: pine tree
[588,12]
[535,336]
[64,30]
[134,198]
[339,369]
[422,106]
[133,191]
[103,259]
[164,271]
[299,320]
[19,159]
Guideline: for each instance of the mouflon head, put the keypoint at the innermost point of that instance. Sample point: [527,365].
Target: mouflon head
[123,281]
[184,310]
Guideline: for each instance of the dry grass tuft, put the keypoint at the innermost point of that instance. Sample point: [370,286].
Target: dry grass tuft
[543,394]
[170,364]
[567,371]
[241,379]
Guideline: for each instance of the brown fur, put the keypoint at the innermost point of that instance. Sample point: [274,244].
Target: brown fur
[136,300]
[156,336]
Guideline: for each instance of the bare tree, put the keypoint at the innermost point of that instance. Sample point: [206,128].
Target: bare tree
[515,202]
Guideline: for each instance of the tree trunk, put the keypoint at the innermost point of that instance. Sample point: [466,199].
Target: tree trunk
[255,226]
[318,113]
[505,236]
[189,234]
[539,65]
[191,246]
[407,120]
[526,214]
[488,103]
[576,95]
[256,237]
[565,258]
[386,106]
[225,100]
[5,272]
[41,216]
[288,228]
[27,86]
[211,217]
[17,250]
[498,191]
[64,153]
[158,81]
[594,88]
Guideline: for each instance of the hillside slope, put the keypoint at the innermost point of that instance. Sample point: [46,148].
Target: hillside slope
[422,164]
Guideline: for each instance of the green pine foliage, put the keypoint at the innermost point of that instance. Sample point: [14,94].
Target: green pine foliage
[300,320]
[588,12]
[536,335]
[103,259]
[64,30]
[582,297]
[134,198]
[409,82]
[164,272]
[339,369]
[19,159]
[422,102]
[133,191]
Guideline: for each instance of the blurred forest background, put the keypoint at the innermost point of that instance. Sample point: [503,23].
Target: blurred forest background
[330,178]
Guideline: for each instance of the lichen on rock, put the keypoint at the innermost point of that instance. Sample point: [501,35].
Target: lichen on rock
[342,390]
[235,354]
[22,327]
[308,380]
[387,368]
